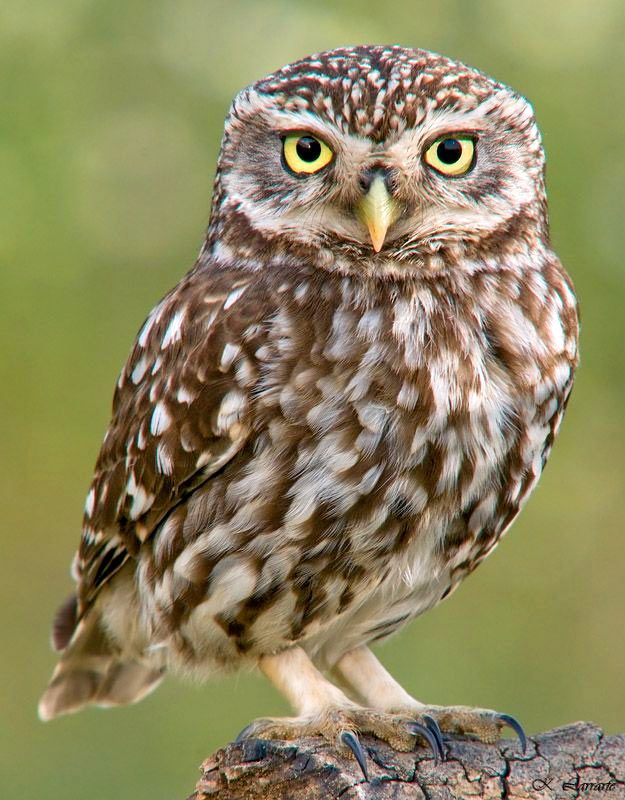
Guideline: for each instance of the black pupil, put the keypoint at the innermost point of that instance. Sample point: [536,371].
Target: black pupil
[449,151]
[308,149]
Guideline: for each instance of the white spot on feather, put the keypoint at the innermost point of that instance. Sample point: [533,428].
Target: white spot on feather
[230,411]
[358,386]
[482,513]
[234,295]
[203,459]
[554,331]
[149,324]
[164,463]
[89,503]
[370,324]
[232,580]
[300,291]
[141,438]
[211,544]
[141,502]
[174,329]
[230,352]
[91,537]
[139,370]
[161,419]
[244,372]
[372,416]
[562,374]
[370,478]
[184,396]
[131,484]
[408,396]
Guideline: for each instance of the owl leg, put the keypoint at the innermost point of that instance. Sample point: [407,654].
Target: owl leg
[360,670]
[324,710]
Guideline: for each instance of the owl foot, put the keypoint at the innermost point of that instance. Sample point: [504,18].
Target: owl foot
[484,724]
[342,726]
[374,687]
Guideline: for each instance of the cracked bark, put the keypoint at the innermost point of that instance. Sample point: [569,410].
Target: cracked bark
[576,761]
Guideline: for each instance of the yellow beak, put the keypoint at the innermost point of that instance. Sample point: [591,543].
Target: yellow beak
[378,211]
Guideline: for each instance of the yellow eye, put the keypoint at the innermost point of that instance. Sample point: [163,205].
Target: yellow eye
[305,154]
[451,155]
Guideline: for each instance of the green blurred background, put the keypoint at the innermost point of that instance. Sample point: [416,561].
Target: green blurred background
[111,119]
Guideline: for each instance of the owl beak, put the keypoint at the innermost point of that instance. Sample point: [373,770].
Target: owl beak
[378,211]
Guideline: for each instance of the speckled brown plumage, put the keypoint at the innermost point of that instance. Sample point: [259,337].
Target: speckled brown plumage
[313,442]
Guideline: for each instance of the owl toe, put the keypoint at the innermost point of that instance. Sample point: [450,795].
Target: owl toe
[483,724]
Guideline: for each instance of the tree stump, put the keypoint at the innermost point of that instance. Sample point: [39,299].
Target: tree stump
[576,761]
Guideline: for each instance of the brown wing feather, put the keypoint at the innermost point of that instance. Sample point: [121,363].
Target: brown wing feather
[179,415]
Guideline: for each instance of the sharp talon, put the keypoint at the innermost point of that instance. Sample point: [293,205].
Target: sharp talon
[353,742]
[244,733]
[430,738]
[433,725]
[516,727]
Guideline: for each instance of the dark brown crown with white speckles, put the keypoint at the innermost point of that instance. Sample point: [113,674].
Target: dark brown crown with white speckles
[373,91]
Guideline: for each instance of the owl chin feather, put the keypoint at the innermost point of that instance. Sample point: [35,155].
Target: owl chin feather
[336,414]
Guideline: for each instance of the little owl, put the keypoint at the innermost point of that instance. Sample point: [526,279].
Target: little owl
[339,411]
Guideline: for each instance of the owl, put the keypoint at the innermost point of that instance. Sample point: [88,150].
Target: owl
[333,418]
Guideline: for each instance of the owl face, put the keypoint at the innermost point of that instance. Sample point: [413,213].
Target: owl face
[380,154]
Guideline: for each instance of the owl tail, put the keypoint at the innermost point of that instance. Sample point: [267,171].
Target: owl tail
[91,671]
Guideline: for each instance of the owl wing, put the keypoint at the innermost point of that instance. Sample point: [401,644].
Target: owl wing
[181,412]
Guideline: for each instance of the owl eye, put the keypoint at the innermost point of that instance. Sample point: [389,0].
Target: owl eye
[451,155]
[305,154]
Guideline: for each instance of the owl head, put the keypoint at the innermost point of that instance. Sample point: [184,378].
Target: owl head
[372,157]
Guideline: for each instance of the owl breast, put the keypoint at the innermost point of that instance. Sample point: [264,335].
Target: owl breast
[397,434]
